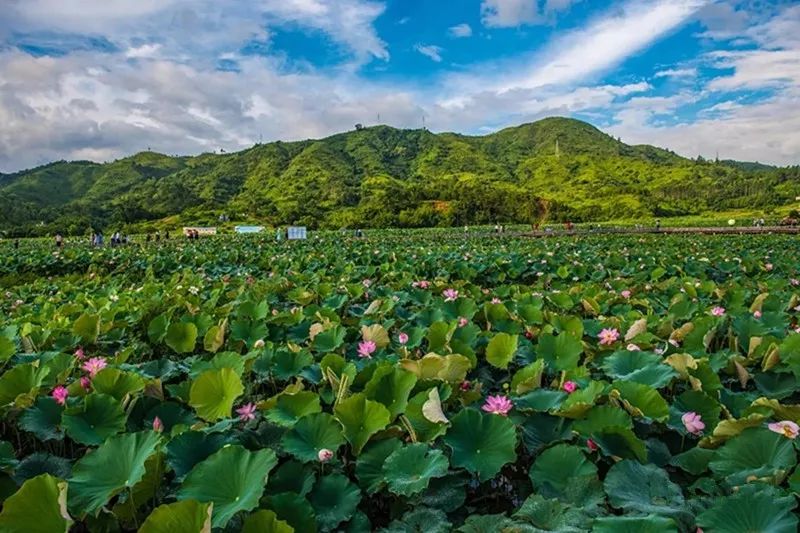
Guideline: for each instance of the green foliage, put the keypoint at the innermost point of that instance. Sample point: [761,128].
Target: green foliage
[383,177]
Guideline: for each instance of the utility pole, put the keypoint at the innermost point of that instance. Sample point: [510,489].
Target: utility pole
[423,121]
[557,152]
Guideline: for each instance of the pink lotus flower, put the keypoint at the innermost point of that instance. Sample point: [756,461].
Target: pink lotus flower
[158,425]
[79,353]
[462,321]
[366,283]
[450,295]
[497,301]
[60,394]
[570,386]
[591,445]
[625,294]
[402,338]
[608,336]
[498,405]
[768,267]
[693,423]
[421,284]
[795,282]
[86,383]
[718,311]
[94,365]
[787,428]
[757,314]
[324,455]
[633,348]
[366,349]
[465,385]
[247,412]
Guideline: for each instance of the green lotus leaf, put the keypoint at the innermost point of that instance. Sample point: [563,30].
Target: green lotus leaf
[620,442]
[528,378]
[94,420]
[361,418]
[43,419]
[116,383]
[481,443]
[21,380]
[643,400]
[294,510]
[487,523]
[292,476]
[330,339]
[420,520]
[232,478]
[39,506]
[192,447]
[181,336]
[118,464]
[579,402]
[694,401]
[359,523]
[552,515]
[540,430]
[601,417]
[756,452]
[409,470]
[187,516]
[311,434]
[8,457]
[424,428]
[213,393]
[265,521]
[634,524]
[446,493]
[452,368]
[127,507]
[500,350]
[560,352]
[334,500]
[7,348]
[40,463]
[231,360]
[645,489]
[390,386]
[540,400]
[87,327]
[369,467]
[556,468]
[288,364]
[289,408]
[695,460]
[640,367]
[214,338]
[157,328]
[755,507]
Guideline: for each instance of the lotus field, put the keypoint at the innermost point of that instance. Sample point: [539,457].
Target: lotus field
[404,382]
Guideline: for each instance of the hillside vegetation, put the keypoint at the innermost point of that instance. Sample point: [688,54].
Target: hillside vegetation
[553,169]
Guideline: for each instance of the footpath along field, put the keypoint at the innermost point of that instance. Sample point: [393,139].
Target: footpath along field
[406,382]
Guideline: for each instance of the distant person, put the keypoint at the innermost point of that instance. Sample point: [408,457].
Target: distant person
[497,228]
[158,236]
[658,225]
[16,244]
[59,240]
[148,238]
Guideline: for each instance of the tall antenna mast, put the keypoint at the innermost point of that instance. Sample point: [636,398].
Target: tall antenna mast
[423,121]
[557,152]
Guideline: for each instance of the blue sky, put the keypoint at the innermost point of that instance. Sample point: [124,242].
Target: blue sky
[92,79]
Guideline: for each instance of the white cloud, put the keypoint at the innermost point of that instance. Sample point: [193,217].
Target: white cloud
[460,31]
[676,73]
[513,13]
[431,51]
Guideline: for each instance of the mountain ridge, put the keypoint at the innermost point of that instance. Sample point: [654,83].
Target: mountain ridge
[556,168]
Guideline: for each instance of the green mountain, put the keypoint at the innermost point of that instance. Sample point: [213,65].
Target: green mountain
[553,169]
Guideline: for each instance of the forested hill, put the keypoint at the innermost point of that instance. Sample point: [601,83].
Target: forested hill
[553,169]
